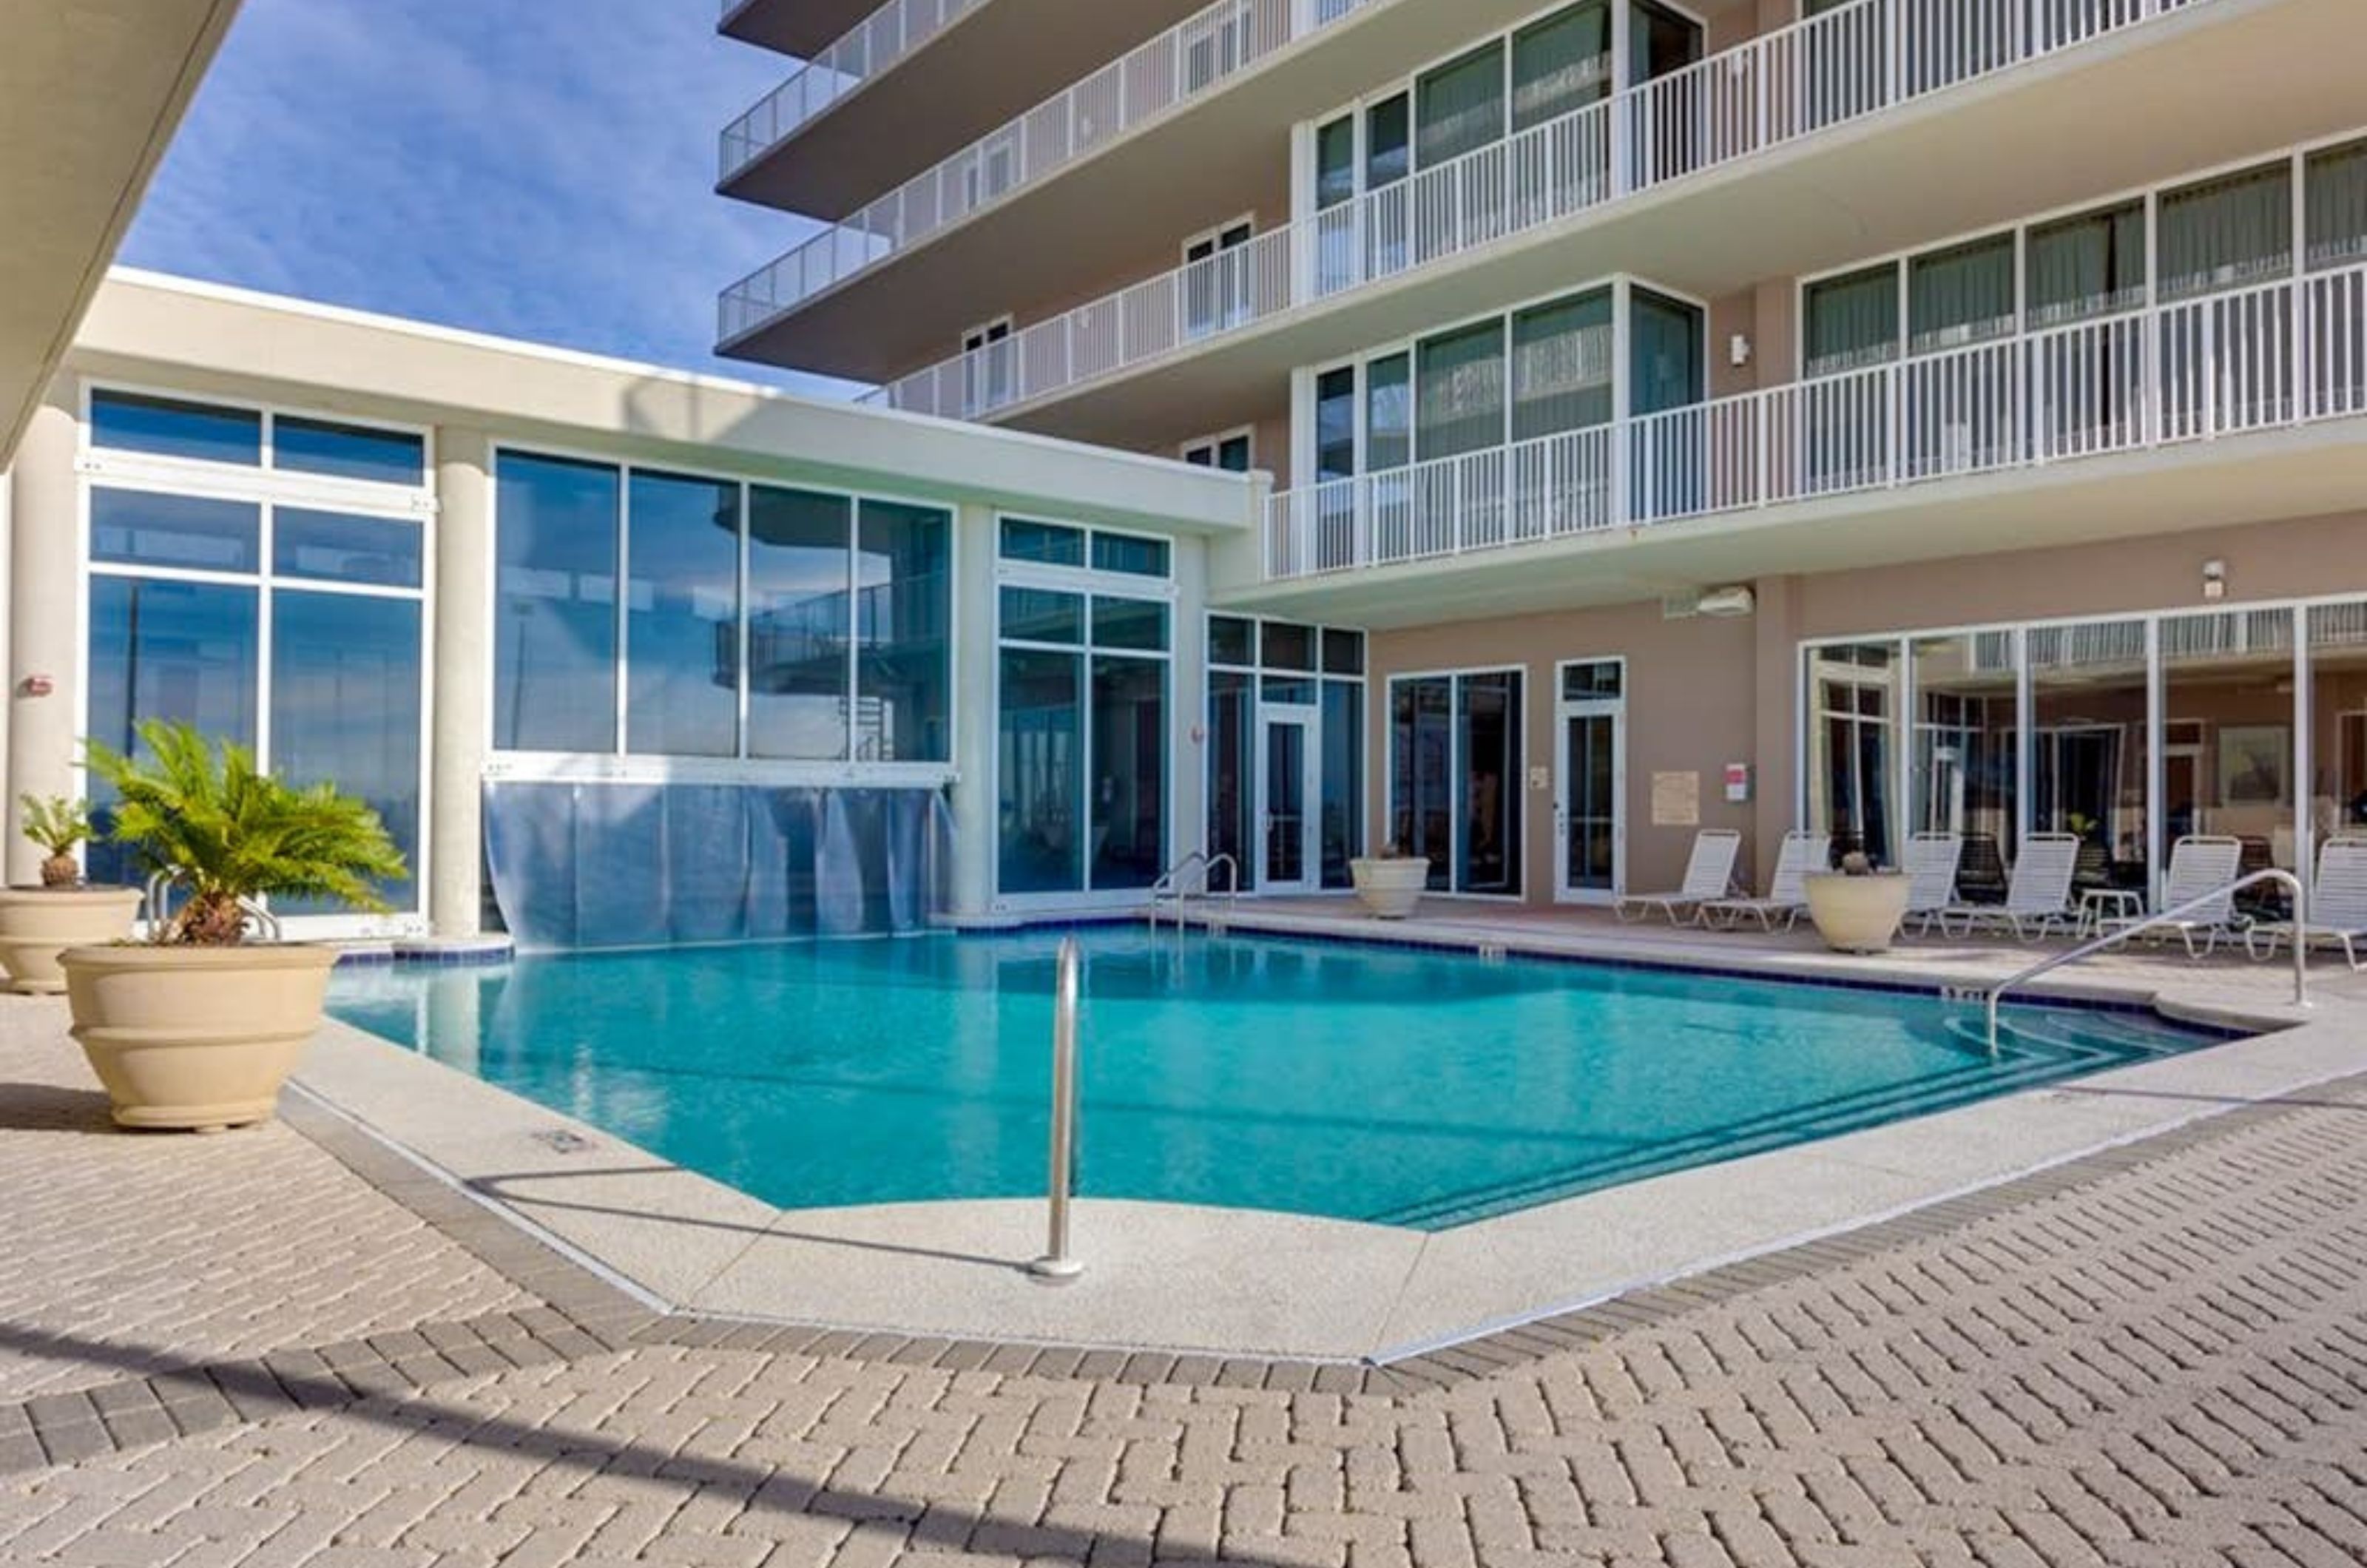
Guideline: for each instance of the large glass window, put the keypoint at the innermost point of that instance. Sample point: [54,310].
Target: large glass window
[1963,294]
[1041,812]
[797,624]
[1335,424]
[1961,763]
[2089,745]
[170,427]
[348,451]
[1460,390]
[1455,777]
[555,605]
[294,631]
[2094,265]
[682,622]
[2338,719]
[345,708]
[2228,233]
[1130,801]
[2335,189]
[1853,698]
[1561,64]
[1852,321]
[904,650]
[1459,108]
[1561,365]
[2227,732]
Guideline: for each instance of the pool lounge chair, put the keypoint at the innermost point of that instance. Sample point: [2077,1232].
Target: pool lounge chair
[1709,874]
[2336,909]
[1932,862]
[2202,866]
[2037,893]
[1787,891]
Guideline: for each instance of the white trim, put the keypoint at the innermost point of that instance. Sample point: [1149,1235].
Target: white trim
[1567,708]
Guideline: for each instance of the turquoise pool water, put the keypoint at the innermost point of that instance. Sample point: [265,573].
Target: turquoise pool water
[1362,1082]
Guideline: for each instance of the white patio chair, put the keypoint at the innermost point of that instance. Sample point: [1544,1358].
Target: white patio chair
[2336,909]
[2037,893]
[1932,862]
[1787,891]
[2201,866]
[1709,874]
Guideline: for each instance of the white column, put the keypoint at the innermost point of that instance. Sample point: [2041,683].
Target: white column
[463,677]
[973,795]
[45,709]
[1188,724]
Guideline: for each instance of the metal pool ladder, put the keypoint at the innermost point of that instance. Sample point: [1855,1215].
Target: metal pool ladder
[1172,887]
[1057,1266]
[2113,938]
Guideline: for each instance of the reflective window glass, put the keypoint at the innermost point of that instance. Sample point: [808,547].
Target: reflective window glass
[682,623]
[1047,543]
[1129,623]
[1134,556]
[555,605]
[1231,641]
[345,708]
[1041,615]
[190,532]
[169,427]
[904,655]
[798,623]
[337,547]
[347,451]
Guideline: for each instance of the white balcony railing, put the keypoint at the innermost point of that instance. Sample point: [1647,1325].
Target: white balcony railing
[1777,88]
[2226,364]
[871,46]
[1188,59]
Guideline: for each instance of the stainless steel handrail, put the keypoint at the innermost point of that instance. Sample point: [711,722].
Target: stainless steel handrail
[155,908]
[1057,1266]
[1171,881]
[2113,939]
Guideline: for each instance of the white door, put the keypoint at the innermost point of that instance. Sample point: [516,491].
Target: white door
[1589,825]
[1288,790]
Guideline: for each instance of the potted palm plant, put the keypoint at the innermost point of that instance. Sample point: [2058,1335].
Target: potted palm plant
[1392,883]
[198,1026]
[37,923]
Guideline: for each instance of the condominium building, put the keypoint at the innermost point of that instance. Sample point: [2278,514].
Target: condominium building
[1884,416]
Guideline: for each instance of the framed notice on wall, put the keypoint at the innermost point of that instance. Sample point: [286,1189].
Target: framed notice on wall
[1676,800]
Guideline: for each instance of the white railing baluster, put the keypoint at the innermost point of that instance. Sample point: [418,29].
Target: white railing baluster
[2246,360]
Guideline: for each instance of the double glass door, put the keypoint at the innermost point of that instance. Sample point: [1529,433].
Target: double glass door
[1288,789]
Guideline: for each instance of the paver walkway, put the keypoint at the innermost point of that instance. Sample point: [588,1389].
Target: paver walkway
[2155,1357]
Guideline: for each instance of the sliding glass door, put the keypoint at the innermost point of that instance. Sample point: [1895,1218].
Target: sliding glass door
[1456,760]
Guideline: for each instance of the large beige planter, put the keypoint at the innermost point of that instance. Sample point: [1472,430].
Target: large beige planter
[1857,914]
[38,923]
[1390,888]
[195,1037]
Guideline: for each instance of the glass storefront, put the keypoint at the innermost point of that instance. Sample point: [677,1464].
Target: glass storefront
[2130,734]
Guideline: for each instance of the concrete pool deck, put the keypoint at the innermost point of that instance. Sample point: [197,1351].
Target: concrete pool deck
[1177,1279]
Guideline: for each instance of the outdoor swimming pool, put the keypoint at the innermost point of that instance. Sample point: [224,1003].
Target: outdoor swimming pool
[1362,1082]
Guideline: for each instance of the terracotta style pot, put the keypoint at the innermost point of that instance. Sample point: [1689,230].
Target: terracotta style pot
[38,923]
[1390,888]
[195,1037]
[1857,914]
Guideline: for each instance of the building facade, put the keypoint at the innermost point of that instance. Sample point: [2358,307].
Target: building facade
[1877,415]
[621,656]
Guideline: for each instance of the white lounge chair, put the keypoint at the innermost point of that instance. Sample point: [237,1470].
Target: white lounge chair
[1787,891]
[2336,909]
[1932,862]
[2201,866]
[1709,874]
[2037,893]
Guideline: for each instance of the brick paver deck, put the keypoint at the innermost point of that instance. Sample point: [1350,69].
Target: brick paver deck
[2155,1357]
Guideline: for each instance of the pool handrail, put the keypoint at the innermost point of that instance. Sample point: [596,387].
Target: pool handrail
[1171,883]
[2162,918]
[1058,1266]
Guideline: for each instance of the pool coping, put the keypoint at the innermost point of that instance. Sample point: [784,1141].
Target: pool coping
[1284,1287]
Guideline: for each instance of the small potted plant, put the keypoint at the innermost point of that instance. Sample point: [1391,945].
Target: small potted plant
[1390,883]
[1857,908]
[198,1026]
[38,923]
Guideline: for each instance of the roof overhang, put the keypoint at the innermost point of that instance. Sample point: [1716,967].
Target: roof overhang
[90,94]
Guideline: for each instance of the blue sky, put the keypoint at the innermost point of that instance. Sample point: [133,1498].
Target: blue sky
[541,169]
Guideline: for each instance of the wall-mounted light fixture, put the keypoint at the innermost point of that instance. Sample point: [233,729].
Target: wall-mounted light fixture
[2214,580]
[1737,350]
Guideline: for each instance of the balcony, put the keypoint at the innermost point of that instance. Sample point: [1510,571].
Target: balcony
[935,73]
[2244,363]
[1822,76]
[793,27]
